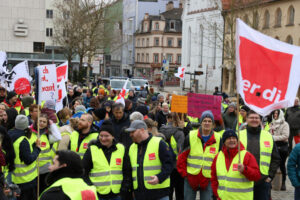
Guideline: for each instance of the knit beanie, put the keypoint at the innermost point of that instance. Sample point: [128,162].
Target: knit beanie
[27,101]
[160,95]
[245,108]
[11,95]
[207,114]
[101,91]
[80,108]
[50,104]
[107,126]
[227,134]
[21,122]
[100,113]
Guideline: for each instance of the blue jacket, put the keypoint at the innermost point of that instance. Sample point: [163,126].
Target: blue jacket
[293,166]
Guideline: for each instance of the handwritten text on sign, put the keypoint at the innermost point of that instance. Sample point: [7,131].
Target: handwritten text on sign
[47,83]
[179,104]
[198,103]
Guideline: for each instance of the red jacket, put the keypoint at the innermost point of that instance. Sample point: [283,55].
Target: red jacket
[17,104]
[198,180]
[251,170]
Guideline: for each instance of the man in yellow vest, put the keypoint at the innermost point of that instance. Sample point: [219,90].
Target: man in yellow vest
[194,163]
[151,161]
[80,139]
[65,180]
[260,143]
[231,179]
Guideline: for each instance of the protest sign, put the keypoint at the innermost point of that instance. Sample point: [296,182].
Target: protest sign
[267,70]
[198,103]
[47,86]
[19,79]
[62,72]
[3,67]
[179,104]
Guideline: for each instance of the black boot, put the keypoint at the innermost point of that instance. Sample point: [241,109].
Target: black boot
[283,188]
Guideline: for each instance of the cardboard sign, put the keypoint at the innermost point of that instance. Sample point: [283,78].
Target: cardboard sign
[179,104]
[198,103]
[47,83]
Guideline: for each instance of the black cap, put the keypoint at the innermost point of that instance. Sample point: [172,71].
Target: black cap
[227,134]
[108,127]
[100,113]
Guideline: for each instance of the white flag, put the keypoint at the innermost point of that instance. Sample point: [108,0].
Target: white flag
[18,78]
[180,73]
[121,96]
[3,68]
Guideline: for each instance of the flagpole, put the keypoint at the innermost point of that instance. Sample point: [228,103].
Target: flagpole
[38,159]
[238,120]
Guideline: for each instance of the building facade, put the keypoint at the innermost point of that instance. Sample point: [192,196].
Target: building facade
[278,19]
[202,44]
[26,32]
[133,14]
[157,39]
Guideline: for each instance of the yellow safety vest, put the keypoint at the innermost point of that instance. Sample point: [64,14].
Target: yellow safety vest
[220,133]
[173,145]
[197,159]
[75,189]
[23,173]
[266,146]
[193,119]
[112,99]
[26,110]
[151,164]
[267,127]
[84,144]
[232,184]
[106,176]
[94,91]
[224,106]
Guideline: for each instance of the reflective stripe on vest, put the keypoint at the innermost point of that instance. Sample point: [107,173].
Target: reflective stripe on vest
[232,184]
[75,189]
[84,144]
[266,147]
[106,176]
[197,159]
[173,144]
[23,173]
[151,164]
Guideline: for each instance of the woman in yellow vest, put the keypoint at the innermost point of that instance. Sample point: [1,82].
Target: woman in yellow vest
[49,137]
[106,165]
[229,178]
[65,179]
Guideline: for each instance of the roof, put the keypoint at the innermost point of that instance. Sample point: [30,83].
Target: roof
[227,4]
[175,13]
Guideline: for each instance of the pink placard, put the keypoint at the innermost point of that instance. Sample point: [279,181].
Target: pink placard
[198,103]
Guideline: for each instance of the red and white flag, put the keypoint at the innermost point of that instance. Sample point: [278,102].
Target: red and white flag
[121,96]
[267,70]
[62,72]
[180,73]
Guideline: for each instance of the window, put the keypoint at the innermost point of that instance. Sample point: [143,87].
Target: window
[147,42]
[170,42]
[170,58]
[255,20]
[172,25]
[138,43]
[145,27]
[143,42]
[130,24]
[38,46]
[156,58]
[291,15]
[147,57]
[178,58]
[267,19]
[143,56]
[49,32]
[156,26]
[278,16]
[49,14]
[156,41]
[179,42]
[289,39]
[138,57]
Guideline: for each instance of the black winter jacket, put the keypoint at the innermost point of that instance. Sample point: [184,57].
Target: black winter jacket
[26,155]
[126,171]
[119,130]
[166,158]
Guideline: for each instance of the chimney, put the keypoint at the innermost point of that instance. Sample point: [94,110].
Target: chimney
[169,6]
[146,16]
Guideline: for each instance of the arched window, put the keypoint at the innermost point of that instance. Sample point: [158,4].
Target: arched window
[201,46]
[189,46]
[289,39]
[255,20]
[246,19]
[267,19]
[277,38]
[291,15]
[278,16]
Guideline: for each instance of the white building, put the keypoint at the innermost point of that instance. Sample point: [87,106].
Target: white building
[26,32]
[202,43]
